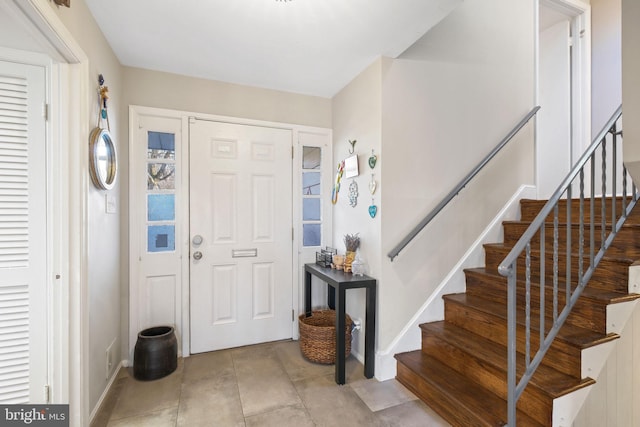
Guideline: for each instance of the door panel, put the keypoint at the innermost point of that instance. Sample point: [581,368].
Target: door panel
[554,119]
[23,235]
[240,203]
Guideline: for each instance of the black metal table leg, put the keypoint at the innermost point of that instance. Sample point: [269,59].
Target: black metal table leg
[340,337]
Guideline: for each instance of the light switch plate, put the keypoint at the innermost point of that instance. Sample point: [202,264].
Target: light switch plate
[110,203]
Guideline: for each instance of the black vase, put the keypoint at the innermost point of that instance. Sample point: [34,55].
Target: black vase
[155,354]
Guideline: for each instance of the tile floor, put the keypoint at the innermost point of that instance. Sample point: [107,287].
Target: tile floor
[264,385]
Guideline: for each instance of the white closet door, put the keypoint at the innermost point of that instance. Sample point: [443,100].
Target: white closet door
[23,290]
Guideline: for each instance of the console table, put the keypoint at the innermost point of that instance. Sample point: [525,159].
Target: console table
[339,282]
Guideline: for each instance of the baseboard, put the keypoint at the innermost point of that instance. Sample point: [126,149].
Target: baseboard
[433,309]
[112,380]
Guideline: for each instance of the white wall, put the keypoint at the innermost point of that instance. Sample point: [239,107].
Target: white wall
[613,400]
[446,103]
[357,115]
[606,61]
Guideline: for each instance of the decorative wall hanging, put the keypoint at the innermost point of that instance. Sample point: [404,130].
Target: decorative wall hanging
[103,161]
[351,166]
[353,193]
[336,185]
[372,185]
[373,159]
[373,209]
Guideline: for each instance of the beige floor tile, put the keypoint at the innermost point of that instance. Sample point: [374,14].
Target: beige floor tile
[262,382]
[163,418]
[212,401]
[412,414]
[140,397]
[380,395]
[296,366]
[290,416]
[102,417]
[332,405]
[206,365]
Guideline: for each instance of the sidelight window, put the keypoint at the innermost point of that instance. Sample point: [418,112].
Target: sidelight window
[161,192]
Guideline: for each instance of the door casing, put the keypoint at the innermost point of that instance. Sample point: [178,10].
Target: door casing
[579,15]
[299,257]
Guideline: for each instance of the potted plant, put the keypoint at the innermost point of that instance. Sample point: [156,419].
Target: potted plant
[351,243]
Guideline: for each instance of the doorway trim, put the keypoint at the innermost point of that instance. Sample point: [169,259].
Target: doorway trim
[579,15]
[299,257]
[68,83]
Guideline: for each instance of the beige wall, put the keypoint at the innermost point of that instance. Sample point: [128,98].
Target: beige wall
[105,235]
[606,61]
[430,116]
[171,91]
[108,276]
[631,85]
[357,115]
[445,104]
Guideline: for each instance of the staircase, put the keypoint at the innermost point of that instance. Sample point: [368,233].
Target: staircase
[461,369]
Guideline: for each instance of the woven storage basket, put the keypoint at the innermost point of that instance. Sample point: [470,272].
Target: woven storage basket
[318,336]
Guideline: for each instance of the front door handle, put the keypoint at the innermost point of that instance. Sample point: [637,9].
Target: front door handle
[197,255]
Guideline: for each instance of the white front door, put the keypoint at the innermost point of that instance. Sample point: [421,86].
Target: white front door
[241,235]
[23,235]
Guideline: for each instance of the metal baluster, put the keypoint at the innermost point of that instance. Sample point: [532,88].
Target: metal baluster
[603,204]
[614,173]
[528,305]
[568,260]
[581,229]
[555,264]
[592,241]
[542,280]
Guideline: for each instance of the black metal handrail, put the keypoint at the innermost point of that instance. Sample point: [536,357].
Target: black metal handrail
[418,228]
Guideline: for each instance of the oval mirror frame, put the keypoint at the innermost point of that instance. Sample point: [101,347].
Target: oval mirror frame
[103,162]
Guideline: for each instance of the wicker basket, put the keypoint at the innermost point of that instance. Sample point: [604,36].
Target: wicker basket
[318,336]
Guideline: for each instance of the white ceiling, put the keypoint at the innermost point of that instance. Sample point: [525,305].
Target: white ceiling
[312,47]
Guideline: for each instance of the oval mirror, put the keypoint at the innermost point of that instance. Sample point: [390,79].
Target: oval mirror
[103,162]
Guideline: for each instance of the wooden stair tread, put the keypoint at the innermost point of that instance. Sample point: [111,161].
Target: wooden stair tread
[597,295]
[507,249]
[479,405]
[570,334]
[552,382]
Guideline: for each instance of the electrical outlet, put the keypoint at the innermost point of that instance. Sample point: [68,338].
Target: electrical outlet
[109,359]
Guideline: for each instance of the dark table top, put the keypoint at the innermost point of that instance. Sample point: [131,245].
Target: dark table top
[339,277]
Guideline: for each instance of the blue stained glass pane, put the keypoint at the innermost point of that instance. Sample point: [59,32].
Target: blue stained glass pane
[311,183]
[311,209]
[161,207]
[161,238]
[311,234]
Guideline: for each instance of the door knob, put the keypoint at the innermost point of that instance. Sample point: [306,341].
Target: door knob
[197,240]
[197,255]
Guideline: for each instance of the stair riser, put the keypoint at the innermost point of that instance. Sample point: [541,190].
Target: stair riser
[438,401]
[533,401]
[529,209]
[610,274]
[585,313]
[625,244]
[560,356]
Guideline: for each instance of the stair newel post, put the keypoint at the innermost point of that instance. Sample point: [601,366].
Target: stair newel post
[511,346]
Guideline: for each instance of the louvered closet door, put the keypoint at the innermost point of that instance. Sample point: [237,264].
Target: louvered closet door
[23,266]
